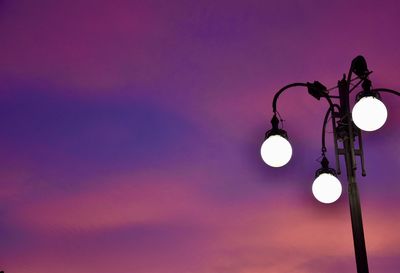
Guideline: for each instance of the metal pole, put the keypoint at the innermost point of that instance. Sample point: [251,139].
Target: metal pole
[354,199]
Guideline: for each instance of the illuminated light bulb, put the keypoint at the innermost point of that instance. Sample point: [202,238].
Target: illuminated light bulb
[369,113]
[327,188]
[276,151]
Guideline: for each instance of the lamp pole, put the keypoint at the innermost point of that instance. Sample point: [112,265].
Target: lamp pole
[368,114]
[354,200]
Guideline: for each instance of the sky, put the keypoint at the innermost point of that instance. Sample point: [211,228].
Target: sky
[130,135]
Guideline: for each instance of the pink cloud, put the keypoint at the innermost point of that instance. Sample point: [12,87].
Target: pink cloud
[241,236]
[119,200]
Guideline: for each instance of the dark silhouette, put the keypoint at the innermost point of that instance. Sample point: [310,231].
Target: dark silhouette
[345,134]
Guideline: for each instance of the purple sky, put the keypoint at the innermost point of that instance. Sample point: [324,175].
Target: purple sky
[130,135]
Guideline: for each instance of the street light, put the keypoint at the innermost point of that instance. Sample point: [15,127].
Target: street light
[368,114]
[276,150]
[326,186]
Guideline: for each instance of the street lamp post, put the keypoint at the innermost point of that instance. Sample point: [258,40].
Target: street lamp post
[368,114]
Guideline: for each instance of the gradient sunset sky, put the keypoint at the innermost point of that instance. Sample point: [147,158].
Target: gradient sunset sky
[130,134]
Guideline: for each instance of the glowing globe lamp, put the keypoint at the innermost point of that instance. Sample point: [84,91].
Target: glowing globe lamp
[369,113]
[327,188]
[276,151]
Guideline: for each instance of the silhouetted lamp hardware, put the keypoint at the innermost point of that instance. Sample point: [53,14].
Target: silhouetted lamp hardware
[368,114]
[326,186]
[276,150]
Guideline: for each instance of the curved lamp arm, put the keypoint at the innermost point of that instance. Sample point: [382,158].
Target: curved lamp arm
[331,104]
[359,67]
[394,92]
[282,90]
[323,148]
[328,113]
[316,89]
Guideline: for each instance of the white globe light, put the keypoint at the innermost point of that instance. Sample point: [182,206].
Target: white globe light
[369,113]
[276,151]
[327,188]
